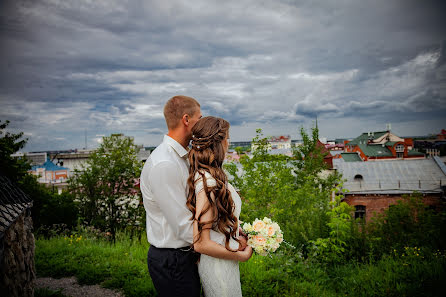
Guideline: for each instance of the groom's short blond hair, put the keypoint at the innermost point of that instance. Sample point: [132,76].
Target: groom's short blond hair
[176,107]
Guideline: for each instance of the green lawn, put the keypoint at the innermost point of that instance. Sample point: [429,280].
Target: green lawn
[123,266]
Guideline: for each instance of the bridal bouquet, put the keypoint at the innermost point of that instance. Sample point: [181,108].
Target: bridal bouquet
[264,236]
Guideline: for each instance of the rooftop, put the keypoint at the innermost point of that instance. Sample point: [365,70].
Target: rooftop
[392,176]
[364,137]
[351,157]
[375,150]
[280,138]
[49,166]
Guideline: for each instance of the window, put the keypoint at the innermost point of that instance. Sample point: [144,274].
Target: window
[358,177]
[359,211]
[399,148]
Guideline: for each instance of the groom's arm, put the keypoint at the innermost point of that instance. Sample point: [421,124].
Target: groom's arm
[167,187]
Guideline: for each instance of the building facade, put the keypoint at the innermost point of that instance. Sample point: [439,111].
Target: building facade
[51,174]
[375,186]
[383,145]
[276,142]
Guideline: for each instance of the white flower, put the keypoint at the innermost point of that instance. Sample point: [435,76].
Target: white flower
[247,227]
[265,236]
[267,220]
[258,225]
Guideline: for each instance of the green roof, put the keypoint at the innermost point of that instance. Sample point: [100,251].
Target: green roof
[391,143]
[364,137]
[351,157]
[376,150]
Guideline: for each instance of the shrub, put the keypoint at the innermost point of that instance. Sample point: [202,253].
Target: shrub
[291,191]
[334,249]
[408,223]
[106,188]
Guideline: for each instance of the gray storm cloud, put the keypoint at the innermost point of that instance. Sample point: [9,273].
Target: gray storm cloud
[109,66]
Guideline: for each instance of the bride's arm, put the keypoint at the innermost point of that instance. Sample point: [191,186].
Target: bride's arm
[205,245]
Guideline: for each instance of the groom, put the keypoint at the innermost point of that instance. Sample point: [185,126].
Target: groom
[171,262]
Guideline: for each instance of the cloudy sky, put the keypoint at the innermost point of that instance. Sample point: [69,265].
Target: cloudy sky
[98,67]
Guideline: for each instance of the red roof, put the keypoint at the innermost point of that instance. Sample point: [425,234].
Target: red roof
[337,145]
[280,138]
[321,145]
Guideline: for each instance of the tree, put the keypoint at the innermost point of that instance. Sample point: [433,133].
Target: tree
[48,208]
[309,156]
[106,186]
[334,249]
[240,150]
[289,190]
[13,168]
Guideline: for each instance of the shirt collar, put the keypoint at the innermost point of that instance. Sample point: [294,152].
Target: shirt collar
[181,151]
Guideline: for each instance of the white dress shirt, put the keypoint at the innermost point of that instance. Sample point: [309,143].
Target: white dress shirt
[163,187]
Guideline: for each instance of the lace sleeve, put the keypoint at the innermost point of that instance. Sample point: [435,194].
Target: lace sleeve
[210,182]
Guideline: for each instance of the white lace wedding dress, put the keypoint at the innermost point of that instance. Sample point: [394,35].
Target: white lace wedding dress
[220,277]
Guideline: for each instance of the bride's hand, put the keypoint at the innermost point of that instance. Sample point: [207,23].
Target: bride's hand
[243,243]
[242,233]
[245,254]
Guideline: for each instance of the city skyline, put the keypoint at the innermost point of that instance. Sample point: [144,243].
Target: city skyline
[109,66]
[322,138]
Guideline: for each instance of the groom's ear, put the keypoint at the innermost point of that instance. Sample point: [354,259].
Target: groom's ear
[185,120]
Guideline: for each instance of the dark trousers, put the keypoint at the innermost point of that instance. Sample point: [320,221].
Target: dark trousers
[174,272]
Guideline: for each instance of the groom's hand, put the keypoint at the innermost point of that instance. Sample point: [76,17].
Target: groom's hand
[242,243]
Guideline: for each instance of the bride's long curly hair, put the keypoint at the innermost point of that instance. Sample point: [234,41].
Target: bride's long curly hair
[207,154]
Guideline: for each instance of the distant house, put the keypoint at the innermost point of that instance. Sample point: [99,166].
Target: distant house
[374,186]
[335,146]
[433,146]
[442,135]
[276,142]
[328,158]
[232,156]
[280,142]
[51,174]
[383,145]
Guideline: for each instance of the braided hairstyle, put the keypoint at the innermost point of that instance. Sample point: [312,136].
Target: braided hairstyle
[207,155]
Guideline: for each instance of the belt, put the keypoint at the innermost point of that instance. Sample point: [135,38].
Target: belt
[183,249]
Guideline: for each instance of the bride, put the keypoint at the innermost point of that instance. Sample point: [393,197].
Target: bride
[215,207]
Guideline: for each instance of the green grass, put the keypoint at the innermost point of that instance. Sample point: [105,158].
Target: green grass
[123,266]
[120,266]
